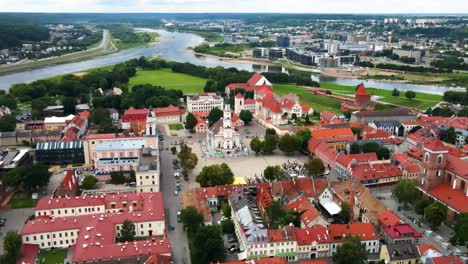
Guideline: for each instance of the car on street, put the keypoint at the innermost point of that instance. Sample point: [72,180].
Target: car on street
[171,227]
[233,250]
[175,161]
[179,219]
[232,240]
[176,192]
[176,174]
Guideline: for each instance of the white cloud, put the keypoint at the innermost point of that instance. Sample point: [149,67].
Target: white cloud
[232,6]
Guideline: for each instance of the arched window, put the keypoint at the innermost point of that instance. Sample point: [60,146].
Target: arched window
[439,159]
[426,157]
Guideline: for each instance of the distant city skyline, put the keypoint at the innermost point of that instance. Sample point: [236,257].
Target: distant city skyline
[239,6]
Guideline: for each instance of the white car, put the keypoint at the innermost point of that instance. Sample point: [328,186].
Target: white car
[176,174]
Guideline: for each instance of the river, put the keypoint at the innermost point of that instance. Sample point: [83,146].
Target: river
[173,46]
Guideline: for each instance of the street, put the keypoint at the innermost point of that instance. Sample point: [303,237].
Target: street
[15,221]
[172,203]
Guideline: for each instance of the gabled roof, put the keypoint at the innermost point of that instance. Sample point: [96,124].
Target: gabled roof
[388,218]
[239,95]
[365,231]
[454,198]
[254,79]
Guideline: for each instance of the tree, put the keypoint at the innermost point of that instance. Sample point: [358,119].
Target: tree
[29,177]
[307,121]
[395,92]
[89,182]
[410,95]
[191,219]
[226,209]
[405,191]
[351,251]
[370,147]
[278,216]
[314,166]
[450,135]
[303,136]
[246,116]
[354,148]
[287,144]
[7,123]
[256,145]
[435,213]
[12,246]
[420,205]
[190,121]
[207,246]
[214,115]
[270,144]
[127,232]
[69,104]
[272,173]
[344,216]
[461,231]
[188,160]
[270,131]
[227,226]
[383,153]
[117,177]
[215,175]
[357,131]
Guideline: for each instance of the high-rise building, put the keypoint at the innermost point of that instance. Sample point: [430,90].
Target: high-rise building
[283,41]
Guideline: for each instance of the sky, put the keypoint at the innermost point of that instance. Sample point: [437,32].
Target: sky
[237,6]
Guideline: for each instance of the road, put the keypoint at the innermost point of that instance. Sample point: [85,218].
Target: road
[15,221]
[172,203]
[105,47]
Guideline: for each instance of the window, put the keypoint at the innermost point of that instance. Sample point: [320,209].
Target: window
[149,224]
[426,157]
[53,235]
[27,239]
[439,160]
[42,237]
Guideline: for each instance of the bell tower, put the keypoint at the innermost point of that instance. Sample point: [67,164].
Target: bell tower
[434,163]
[150,123]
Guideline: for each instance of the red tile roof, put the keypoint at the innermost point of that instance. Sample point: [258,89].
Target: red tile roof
[447,260]
[361,90]
[457,166]
[133,114]
[303,204]
[365,231]
[388,218]
[436,145]
[270,102]
[375,171]
[29,253]
[249,101]
[281,235]
[317,233]
[167,111]
[402,231]
[346,160]
[454,198]
[254,79]
[239,95]
[425,247]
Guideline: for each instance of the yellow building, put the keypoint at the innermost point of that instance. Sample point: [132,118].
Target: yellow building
[399,254]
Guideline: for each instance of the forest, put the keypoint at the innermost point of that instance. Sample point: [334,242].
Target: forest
[14,34]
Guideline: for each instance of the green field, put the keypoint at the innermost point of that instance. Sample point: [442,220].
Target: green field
[318,103]
[170,80]
[176,126]
[55,256]
[22,203]
[422,100]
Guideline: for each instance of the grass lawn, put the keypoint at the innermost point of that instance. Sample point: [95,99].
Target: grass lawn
[318,103]
[22,203]
[170,80]
[422,100]
[176,126]
[56,256]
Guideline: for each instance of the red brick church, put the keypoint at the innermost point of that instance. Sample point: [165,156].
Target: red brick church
[362,101]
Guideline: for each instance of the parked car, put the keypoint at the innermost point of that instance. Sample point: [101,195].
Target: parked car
[233,250]
[232,240]
[171,227]
[175,161]
[179,219]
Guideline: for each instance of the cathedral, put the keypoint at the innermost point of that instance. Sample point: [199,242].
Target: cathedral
[222,137]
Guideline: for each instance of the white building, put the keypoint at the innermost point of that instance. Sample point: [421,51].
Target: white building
[222,136]
[204,102]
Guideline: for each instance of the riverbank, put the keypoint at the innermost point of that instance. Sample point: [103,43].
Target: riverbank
[237,60]
[105,47]
[392,76]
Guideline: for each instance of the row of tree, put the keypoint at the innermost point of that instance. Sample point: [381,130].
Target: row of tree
[286,143]
[369,147]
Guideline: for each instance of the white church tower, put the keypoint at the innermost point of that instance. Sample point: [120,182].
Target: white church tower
[227,117]
[150,123]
